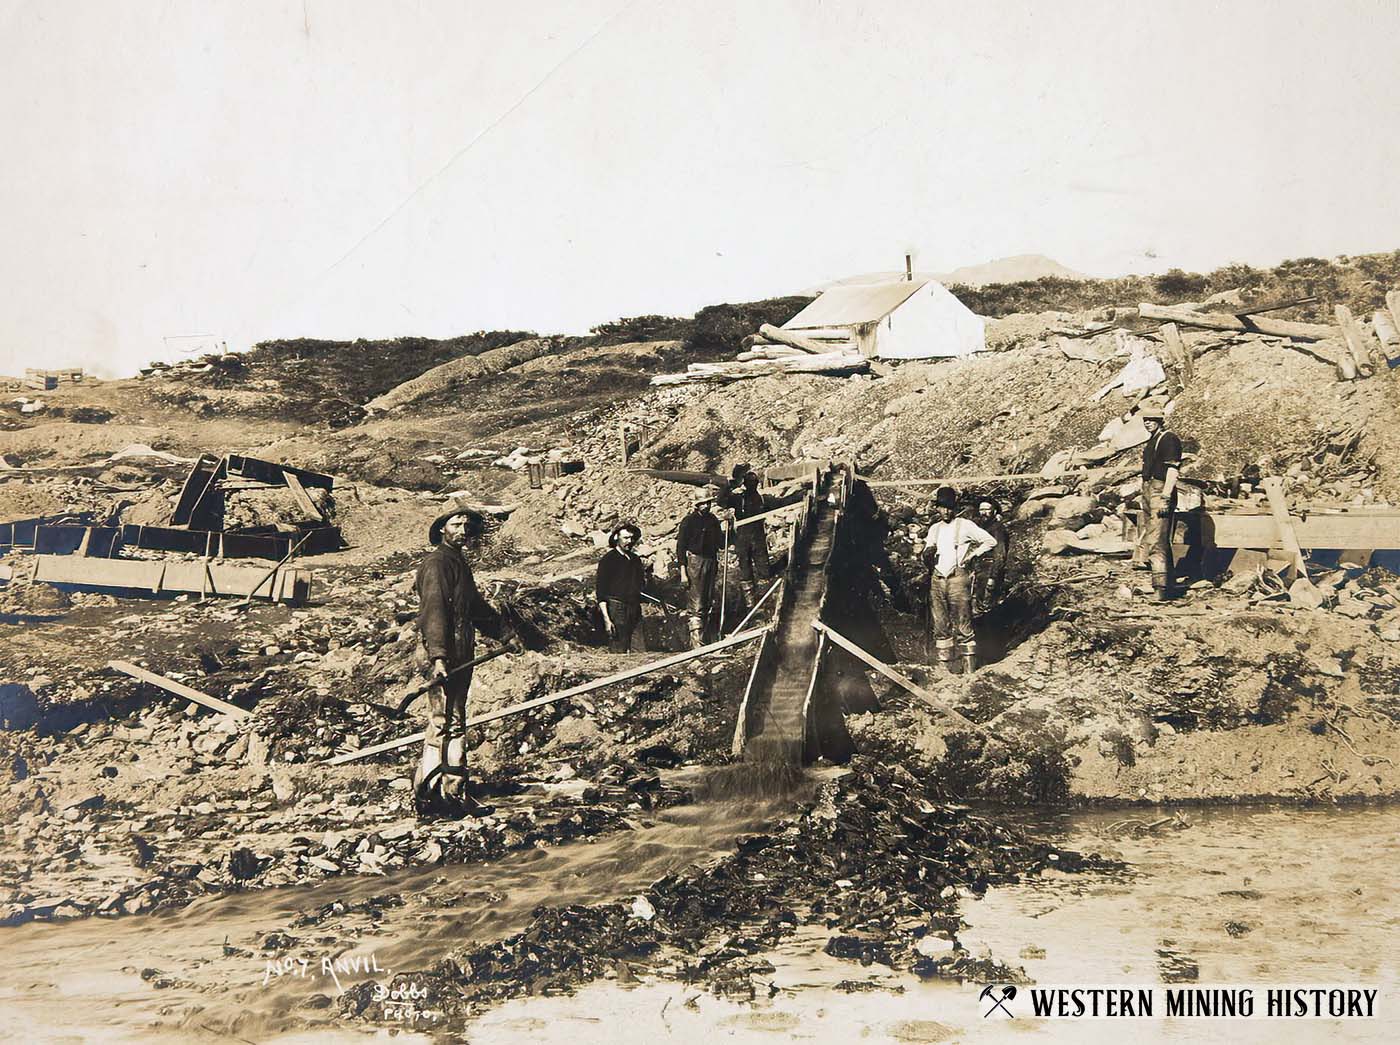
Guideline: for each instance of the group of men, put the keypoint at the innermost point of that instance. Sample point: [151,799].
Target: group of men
[715,523]
[965,556]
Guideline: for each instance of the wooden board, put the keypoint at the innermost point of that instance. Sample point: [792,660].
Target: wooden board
[302,498]
[1357,343]
[1225,321]
[291,584]
[1286,537]
[178,688]
[894,676]
[1316,530]
[574,691]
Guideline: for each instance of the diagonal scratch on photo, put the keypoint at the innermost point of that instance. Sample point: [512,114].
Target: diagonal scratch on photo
[640,521]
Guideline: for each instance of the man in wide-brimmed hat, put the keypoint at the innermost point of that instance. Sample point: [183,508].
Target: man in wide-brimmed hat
[1161,464]
[698,541]
[990,569]
[751,539]
[449,610]
[949,547]
[622,577]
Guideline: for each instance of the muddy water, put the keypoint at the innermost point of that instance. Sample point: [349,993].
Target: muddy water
[1320,907]
[1250,896]
[82,980]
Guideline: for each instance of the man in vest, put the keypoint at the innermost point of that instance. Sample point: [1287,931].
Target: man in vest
[1161,463]
[949,547]
[698,541]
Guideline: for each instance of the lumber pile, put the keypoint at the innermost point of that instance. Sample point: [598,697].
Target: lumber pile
[771,351]
[1350,348]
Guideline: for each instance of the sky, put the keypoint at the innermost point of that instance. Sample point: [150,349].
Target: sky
[182,172]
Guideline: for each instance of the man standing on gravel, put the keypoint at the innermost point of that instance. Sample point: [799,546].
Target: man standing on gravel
[449,608]
[951,544]
[621,579]
[1161,463]
[991,568]
[751,541]
[698,540]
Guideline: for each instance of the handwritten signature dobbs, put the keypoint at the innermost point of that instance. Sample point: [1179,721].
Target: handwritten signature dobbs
[400,1003]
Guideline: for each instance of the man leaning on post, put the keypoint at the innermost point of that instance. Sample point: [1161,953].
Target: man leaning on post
[950,545]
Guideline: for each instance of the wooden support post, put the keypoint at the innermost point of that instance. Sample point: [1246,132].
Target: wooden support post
[1278,508]
[1356,341]
[179,689]
[247,600]
[894,676]
[587,687]
[1177,346]
[749,616]
[303,499]
[1383,323]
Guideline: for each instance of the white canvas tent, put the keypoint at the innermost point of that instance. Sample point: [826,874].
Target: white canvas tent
[909,319]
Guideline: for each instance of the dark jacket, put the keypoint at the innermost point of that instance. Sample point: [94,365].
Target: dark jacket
[450,607]
[699,534]
[622,577]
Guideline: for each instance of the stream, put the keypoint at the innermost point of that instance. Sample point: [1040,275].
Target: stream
[1237,896]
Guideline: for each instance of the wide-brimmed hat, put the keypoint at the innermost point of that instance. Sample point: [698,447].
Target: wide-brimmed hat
[474,522]
[706,494]
[946,497]
[619,528]
[739,471]
[1152,412]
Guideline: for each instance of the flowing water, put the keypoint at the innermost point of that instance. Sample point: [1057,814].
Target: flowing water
[1246,895]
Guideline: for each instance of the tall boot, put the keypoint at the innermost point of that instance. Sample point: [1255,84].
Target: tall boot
[750,593]
[945,657]
[968,656]
[697,633]
[1161,586]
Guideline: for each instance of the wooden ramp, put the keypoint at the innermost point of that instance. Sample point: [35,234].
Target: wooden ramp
[777,717]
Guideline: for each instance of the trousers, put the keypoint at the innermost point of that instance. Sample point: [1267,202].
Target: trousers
[700,595]
[446,741]
[950,607]
[751,547]
[1154,543]
[625,618]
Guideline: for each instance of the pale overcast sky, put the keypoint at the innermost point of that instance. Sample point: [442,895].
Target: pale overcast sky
[344,169]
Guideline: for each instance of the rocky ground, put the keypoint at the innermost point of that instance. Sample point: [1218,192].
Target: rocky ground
[122,798]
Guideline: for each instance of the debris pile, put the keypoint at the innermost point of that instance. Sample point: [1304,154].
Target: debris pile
[874,857]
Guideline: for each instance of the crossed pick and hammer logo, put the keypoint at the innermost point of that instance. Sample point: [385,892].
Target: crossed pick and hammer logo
[999,996]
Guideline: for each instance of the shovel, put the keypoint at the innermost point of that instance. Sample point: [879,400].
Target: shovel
[408,698]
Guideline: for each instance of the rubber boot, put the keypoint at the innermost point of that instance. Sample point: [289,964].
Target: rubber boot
[697,633]
[945,659]
[1161,587]
[969,661]
[750,594]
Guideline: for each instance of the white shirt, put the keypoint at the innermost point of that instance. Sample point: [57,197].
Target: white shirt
[956,542]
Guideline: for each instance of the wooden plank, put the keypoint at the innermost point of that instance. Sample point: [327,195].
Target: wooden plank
[1258,309]
[758,605]
[954,480]
[894,676]
[1383,323]
[179,689]
[741,732]
[1175,344]
[1226,321]
[574,691]
[157,576]
[1357,343]
[765,515]
[1278,508]
[808,741]
[1317,530]
[303,498]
